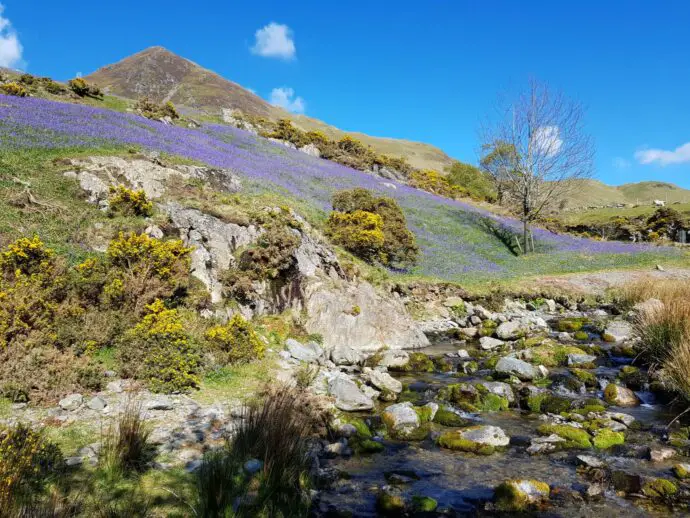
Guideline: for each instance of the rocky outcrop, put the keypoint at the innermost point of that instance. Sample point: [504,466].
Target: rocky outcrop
[358,316]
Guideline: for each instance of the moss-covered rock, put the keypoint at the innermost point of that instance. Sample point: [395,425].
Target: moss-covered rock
[390,503]
[582,336]
[605,438]
[586,377]
[455,441]
[633,377]
[419,362]
[447,417]
[494,403]
[571,325]
[551,354]
[574,437]
[520,495]
[423,504]
[545,402]
[620,396]
[682,471]
[367,446]
[659,488]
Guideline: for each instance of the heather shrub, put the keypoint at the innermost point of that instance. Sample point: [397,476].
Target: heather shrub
[13,89]
[236,342]
[27,79]
[159,351]
[52,87]
[270,259]
[83,89]
[128,202]
[27,461]
[359,232]
[399,248]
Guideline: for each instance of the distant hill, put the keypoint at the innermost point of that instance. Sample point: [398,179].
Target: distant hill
[162,75]
[597,194]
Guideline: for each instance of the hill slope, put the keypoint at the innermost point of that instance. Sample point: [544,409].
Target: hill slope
[162,75]
[595,193]
[460,242]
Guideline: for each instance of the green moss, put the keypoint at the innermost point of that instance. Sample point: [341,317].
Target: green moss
[409,395]
[487,328]
[455,441]
[423,504]
[424,413]
[681,471]
[606,438]
[659,488]
[390,504]
[611,393]
[359,424]
[575,437]
[491,362]
[494,403]
[447,417]
[443,364]
[367,446]
[679,438]
[585,377]
[419,362]
[471,367]
[585,410]
[571,325]
[509,497]
[553,355]
[545,402]
[581,335]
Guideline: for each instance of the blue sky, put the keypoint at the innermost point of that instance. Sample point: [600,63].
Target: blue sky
[425,71]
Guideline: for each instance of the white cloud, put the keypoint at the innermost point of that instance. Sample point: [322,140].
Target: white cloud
[621,163]
[285,98]
[275,41]
[10,47]
[78,74]
[547,140]
[663,157]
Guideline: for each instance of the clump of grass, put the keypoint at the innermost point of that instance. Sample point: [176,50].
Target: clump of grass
[664,329]
[306,375]
[275,433]
[125,445]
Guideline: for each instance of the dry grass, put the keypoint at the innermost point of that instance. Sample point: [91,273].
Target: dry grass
[125,445]
[665,290]
[664,328]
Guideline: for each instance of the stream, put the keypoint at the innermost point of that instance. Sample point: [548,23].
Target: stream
[462,482]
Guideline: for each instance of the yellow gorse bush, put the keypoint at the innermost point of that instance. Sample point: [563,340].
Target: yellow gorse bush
[26,460]
[28,256]
[359,232]
[13,89]
[237,341]
[159,350]
[143,254]
[129,202]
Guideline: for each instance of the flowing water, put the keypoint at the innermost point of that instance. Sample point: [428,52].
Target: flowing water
[462,482]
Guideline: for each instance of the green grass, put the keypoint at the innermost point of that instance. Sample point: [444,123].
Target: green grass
[70,438]
[5,408]
[592,216]
[236,383]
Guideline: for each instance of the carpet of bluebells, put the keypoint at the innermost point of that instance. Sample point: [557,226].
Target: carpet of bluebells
[458,239]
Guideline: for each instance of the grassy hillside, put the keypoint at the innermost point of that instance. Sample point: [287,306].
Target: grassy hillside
[163,76]
[594,193]
[460,242]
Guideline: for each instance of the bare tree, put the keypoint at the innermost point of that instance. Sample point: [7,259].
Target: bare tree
[536,151]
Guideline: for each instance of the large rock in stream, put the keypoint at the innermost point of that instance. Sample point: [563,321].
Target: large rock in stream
[524,371]
[347,394]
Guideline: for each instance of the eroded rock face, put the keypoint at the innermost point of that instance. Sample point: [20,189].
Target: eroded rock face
[356,315]
[214,243]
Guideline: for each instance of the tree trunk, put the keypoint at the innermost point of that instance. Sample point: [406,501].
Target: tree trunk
[525,234]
